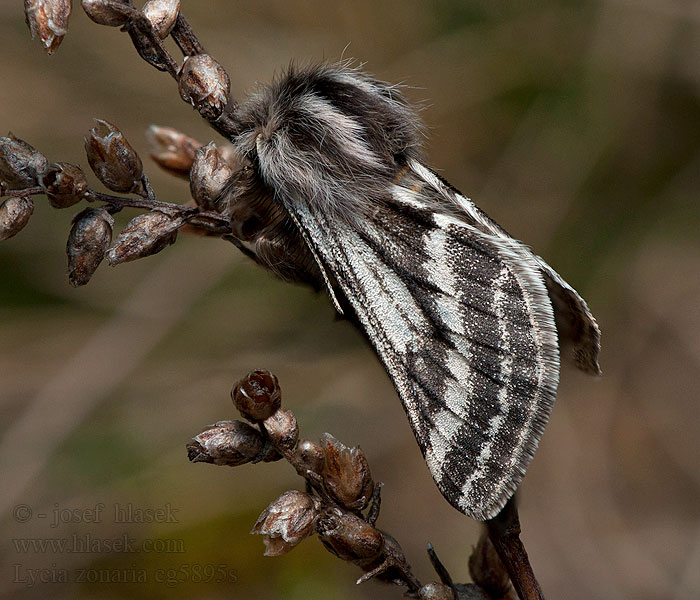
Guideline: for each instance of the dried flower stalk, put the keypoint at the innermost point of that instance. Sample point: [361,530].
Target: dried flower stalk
[341,503]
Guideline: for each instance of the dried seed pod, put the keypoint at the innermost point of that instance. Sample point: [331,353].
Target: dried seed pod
[487,569]
[64,184]
[143,236]
[346,474]
[230,443]
[209,175]
[14,215]
[311,455]
[349,537]
[282,427]
[257,396]
[171,149]
[88,241]
[162,15]
[436,591]
[112,13]
[114,161]
[204,83]
[287,521]
[48,19]
[21,165]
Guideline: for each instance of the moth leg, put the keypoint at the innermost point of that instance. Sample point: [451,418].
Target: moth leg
[275,255]
[238,244]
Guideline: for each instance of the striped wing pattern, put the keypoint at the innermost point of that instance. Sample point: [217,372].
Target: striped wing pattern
[462,322]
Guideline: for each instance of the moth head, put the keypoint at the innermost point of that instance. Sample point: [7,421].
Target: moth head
[317,131]
[244,199]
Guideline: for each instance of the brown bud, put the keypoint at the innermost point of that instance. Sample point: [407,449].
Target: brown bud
[162,15]
[113,13]
[487,569]
[21,165]
[48,19]
[230,443]
[436,591]
[143,236]
[113,160]
[348,537]
[311,455]
[64,184]
[204,83]
[282,427]
[171,149]
[346,474]
[287,521]
[14,215]
[209,175]
[257,395]
[87,243]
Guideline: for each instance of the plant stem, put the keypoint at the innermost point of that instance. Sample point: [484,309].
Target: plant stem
[504,532]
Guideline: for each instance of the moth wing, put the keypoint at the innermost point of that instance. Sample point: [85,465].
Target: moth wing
[463,324]
[579,335]
[578,332]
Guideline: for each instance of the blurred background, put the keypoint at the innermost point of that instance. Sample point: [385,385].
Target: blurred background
[576,125]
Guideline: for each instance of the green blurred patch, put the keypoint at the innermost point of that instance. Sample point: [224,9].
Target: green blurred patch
[452,15]
[18,288]
[99,452]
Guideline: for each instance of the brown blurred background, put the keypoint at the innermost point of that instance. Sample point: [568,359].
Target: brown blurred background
[576,125]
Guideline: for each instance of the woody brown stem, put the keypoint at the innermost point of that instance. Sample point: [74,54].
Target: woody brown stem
[185,37]
[504,533]
[25,192]
[212,222]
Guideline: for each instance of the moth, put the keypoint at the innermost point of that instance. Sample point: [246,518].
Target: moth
[333,191]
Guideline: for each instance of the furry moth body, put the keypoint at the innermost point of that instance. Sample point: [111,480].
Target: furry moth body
[332,191]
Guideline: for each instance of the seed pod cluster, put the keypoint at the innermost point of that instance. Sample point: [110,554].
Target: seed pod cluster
[339,488]
[25,172]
